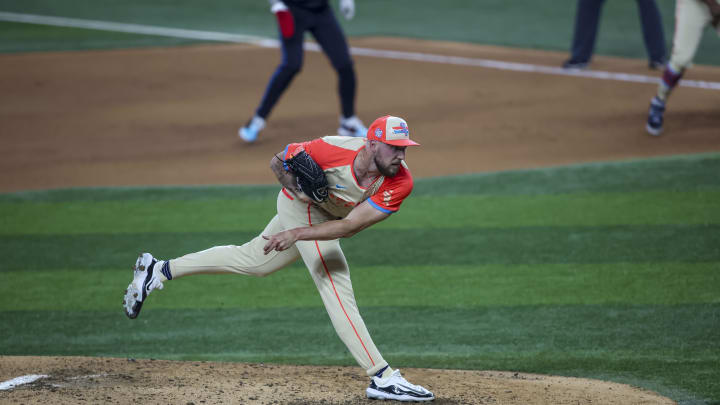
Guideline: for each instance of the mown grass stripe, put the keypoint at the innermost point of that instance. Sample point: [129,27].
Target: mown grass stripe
[21,37]
[545,26]
[123,217]
[145,193]
[572,210]
[625,341]
[585,209]
[669,173]
[457,246]
[676,330]
[436,286]
[676,173]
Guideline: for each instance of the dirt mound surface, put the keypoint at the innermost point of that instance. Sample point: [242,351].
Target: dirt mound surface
[72,380]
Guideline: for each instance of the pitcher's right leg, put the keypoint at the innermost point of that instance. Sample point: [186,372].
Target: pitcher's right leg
[248,259]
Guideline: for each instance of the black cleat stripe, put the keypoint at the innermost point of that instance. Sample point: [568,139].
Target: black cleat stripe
[398,391]
[145,283]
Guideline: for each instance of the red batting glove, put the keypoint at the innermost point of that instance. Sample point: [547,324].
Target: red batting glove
[284,18]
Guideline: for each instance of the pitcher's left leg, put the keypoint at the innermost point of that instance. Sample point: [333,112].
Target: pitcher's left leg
[331,275]
[329,270]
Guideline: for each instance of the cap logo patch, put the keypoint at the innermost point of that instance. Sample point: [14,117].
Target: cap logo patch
[378,132]
[402,129]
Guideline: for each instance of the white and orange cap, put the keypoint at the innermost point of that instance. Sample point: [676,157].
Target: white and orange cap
[390,130]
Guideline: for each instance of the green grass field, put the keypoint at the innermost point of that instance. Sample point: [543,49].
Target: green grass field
[520,23]
[606,271]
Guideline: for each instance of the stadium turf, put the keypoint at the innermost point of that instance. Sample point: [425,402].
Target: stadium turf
[537,25]
[606,271]
[589,270]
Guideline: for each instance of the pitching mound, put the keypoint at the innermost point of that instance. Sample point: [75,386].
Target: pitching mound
[72,380]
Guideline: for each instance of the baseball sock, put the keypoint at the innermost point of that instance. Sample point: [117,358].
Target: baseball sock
[163,267]
[670,79]
[384,373]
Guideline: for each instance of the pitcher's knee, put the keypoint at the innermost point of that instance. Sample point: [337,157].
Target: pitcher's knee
[263,273]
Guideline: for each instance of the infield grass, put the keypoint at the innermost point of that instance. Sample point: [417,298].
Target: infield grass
[532,24]
[595,271]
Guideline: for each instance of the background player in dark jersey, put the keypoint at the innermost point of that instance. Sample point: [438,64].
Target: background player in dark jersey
[587,20]
[295,17]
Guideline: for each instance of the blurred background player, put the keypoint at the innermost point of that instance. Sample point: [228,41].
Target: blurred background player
[691,18]
[294,17]
[586,28]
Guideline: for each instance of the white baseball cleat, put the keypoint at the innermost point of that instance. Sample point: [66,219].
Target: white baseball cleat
[352,127]
[144,281]
[396,388]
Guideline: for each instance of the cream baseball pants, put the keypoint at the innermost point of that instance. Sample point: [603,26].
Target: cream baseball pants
[691,18]
[324,259]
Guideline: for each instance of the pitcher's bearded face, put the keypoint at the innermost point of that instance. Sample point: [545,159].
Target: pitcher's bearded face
[388,158]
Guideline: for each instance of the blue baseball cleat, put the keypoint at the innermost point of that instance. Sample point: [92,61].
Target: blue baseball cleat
[250,131]
[352,126]
[655,117]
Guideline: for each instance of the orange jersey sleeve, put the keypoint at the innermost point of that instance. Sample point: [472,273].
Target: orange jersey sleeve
[392,192]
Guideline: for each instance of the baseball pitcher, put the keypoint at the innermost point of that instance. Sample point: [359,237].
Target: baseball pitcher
[332,188]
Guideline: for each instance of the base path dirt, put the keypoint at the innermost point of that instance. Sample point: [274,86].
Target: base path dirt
[73,380]
[170,116]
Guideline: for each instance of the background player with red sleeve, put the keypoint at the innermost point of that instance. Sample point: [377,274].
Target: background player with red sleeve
[294,18]
[368,181]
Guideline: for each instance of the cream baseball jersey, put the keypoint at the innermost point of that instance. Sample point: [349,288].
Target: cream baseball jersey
[335,155]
